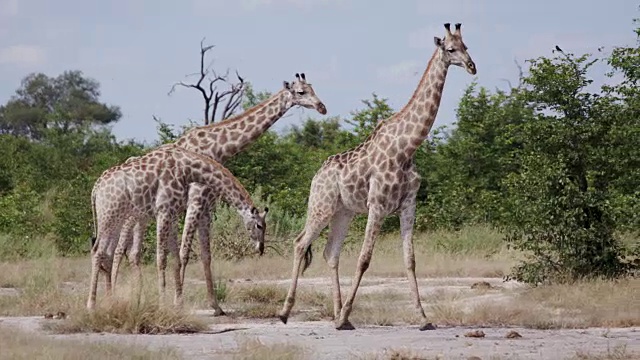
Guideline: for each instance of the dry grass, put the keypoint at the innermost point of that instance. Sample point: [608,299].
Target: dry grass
[595,303]
[47,285]
[124,316]
[254,349]
[475,251]
[405,354]
[60,284]
[132,311]
[19,345]
[617,353]
[264,301]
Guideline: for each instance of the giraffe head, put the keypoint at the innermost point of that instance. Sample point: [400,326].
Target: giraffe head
[302,94]
[453,50]
[257,227]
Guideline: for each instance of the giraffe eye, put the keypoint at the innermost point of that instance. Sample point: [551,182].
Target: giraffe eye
[300,93]
[451,50]
[259,226]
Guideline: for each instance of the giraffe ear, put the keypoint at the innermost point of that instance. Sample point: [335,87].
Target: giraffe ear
[286,85]
[438,41]
[266,210]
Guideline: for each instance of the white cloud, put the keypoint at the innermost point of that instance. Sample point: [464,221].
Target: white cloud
[423,38]
[8,8]
[251,5]
[22,55]
[400,72]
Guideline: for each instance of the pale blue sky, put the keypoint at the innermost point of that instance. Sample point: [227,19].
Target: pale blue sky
[348,48]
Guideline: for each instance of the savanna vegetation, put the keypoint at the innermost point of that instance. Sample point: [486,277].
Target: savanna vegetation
[552,165]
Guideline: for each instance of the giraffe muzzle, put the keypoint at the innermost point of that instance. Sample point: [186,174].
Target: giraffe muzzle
[471,68]
[321,108]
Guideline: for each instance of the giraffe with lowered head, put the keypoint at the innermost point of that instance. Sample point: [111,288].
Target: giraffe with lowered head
[157,184]
[378,177]
[219,141]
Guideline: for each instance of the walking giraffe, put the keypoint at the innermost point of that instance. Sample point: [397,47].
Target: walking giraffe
[219,141]
[378,177]
[157,184]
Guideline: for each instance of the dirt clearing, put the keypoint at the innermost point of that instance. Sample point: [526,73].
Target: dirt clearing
[474,317]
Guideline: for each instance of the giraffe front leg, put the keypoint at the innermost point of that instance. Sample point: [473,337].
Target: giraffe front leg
[407,219]
[190,221]
[338,232]
[163,229]
[175,253]
[374,221]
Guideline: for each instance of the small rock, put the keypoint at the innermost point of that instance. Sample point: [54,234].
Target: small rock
[513,335]
[475,334]
[481,285]
[48,316]
[60,315]
[474,358]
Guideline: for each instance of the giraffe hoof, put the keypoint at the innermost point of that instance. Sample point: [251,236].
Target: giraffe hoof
[219,312]
[283,318]
[345,326]
[427,326]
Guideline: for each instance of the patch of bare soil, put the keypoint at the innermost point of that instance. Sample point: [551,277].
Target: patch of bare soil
[322,341]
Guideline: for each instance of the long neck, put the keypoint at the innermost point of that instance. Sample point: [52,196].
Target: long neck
[223,140]
[220,180]
[406,130]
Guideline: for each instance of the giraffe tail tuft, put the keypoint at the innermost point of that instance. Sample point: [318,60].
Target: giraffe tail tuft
[92,242]
[308,257]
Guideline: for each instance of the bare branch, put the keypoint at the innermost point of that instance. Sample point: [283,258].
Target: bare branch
[520,73]
[210,94]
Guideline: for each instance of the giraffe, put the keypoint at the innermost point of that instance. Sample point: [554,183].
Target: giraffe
[157,184]
[378,177]
[220,141]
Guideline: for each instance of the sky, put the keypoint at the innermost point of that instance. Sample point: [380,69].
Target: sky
[348,49]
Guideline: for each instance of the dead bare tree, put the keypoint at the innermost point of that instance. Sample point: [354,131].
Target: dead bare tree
[226,101]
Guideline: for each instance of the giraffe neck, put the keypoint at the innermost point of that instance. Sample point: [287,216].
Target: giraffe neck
[224,139]
[212,174]
[403,133]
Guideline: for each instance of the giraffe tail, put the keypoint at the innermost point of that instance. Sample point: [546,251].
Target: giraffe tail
[94,237]
[308,255]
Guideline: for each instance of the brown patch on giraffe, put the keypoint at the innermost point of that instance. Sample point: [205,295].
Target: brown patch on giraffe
[223,136]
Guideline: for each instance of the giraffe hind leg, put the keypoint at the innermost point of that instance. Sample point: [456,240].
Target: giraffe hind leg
[124,242]
[338,232]
[302,243]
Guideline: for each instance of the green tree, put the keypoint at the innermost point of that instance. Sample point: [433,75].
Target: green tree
[67,103]
[365,120]
[559,200]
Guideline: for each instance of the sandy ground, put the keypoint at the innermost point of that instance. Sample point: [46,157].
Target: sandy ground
[322,341]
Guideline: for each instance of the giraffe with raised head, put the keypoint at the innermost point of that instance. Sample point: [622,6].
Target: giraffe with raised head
[219,141]
[157,184]
[378,177]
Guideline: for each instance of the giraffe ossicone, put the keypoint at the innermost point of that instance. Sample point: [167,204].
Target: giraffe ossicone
[378,177]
